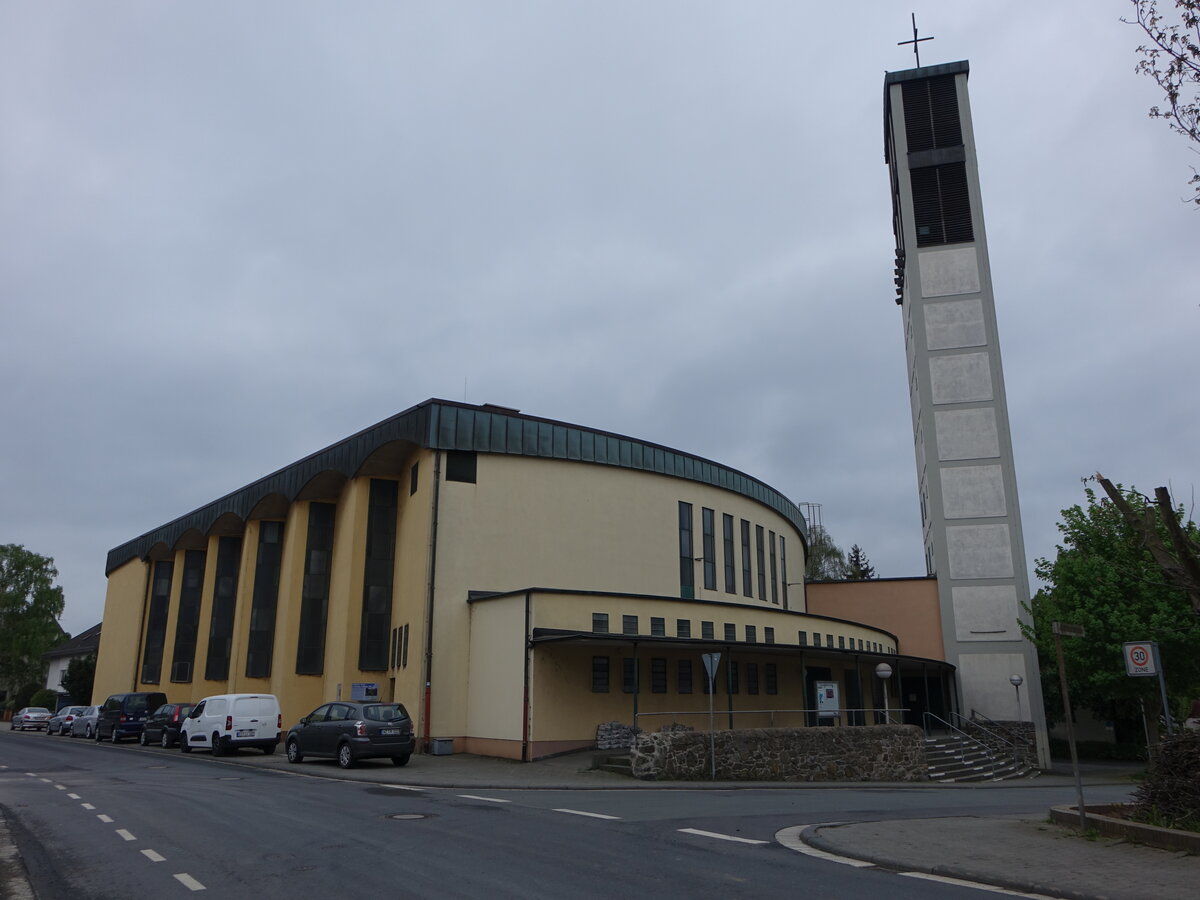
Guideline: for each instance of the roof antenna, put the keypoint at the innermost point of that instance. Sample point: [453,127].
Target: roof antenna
[916,41]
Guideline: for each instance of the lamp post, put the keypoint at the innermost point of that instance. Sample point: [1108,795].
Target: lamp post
[884,671]
[1016,681]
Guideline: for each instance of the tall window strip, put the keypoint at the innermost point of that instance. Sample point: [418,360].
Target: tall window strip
[599,674]
[220,623]
[747,575]
[314,601]
[730,563]
[684,680]
[751,678]
[772,677]
[774,571]
[404,647]
[264,600]
[687,569]
[629,675]
[783,571]
[156,621]
[708,526]
[731,677]
[761,555]
[188,625]
[378,567]
[658,676]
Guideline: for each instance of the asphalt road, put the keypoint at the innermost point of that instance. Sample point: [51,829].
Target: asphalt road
[98,821]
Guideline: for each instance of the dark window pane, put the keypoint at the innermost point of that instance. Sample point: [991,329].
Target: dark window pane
[600,623]
[658,676]
[599,674]
[314,598]
[378,567]
[220,627]
[156,622]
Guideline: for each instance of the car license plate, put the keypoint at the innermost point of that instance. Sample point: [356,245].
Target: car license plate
[389,731]
[245,732]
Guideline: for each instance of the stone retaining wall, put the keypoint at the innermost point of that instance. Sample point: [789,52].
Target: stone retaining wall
[874,753]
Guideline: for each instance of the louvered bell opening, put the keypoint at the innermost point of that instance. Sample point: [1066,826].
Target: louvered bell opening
[941,206]
[931,114]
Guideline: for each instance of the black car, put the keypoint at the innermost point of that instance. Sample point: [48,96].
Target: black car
[162,727]
[123,715]
[350,731]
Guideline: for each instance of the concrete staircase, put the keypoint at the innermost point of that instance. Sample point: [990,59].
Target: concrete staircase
[955,758]
[618,763]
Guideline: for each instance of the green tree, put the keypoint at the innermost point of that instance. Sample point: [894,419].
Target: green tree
[1104,579]
[30,604]
[77,680]
[858,567]
[1172,59]
[825,560]
[45,697]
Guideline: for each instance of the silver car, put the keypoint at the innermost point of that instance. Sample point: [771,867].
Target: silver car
[34,717]
[61,723]
[84,724]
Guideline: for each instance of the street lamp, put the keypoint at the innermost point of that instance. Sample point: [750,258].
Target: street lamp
[884,671]
[1016,681]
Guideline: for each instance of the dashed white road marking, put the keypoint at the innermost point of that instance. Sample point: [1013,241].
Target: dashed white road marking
[404,787]
[87,806]
[107,820]
[189,882]
[31,774]
[580,812]
[152,856]
[125,835]
[973,884]
[73,796]
[721,837]
[60,787]
[790,838]
[488,799]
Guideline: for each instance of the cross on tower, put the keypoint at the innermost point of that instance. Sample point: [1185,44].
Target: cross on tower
[915,41]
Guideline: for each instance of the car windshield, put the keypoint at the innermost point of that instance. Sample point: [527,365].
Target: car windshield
[385,712]
[37,709]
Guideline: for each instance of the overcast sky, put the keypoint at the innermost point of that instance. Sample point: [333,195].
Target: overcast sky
[233,233]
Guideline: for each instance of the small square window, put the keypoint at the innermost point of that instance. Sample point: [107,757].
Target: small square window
[461,465]
[730,632]
[706,631]
[629,624]
[600,623]
[751,634]
[860,646]
[658,626]
[683,628]
[803,639]
[769,634]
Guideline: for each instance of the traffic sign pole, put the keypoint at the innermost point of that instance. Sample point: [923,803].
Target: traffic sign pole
[1059,629]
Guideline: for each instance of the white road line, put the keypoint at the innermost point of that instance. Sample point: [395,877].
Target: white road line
[125,835]
[60,787]
[47,780]
[189,882]
[31,774]
[107,820]
[721,837]
[973,884]
[488,799]
[404,787]
[580,812]
[790,838]
[152,856]
[73,796]
[87,806]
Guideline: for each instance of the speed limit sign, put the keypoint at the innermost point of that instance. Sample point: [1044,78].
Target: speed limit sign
[1140,658]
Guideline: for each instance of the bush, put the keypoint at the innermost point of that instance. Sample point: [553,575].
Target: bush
[22,697]
[45,697]
[1097,750]
[1170,795]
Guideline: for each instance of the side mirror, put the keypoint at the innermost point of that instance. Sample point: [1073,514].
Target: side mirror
[304,721]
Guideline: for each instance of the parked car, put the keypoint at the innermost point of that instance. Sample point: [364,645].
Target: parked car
[225,722]
[60,722]
[348,732]
[84,724]
[35,717]
[163,725]
[124,715]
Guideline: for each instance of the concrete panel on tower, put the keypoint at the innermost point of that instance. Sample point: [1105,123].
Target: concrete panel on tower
[962,378]
[986,613]
[953,324]
[985,685]
[979,551]
[973,492]
[948,272]
[966,434]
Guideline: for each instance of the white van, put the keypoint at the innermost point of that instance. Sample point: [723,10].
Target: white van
[225,722]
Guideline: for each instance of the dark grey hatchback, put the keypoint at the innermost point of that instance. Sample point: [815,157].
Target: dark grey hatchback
[349,731]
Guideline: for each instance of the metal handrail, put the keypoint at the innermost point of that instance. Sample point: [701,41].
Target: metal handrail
[889,715]
[992,734]
[984,747]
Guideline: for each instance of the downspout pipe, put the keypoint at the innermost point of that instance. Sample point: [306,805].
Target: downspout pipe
[430,591]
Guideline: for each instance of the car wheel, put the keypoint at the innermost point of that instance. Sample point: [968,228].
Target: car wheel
[217,749]
[293,751]
[345,757]
[184,746]
[88,731]
[96,734]
[165,741]
[142,740]
[268,749]
[401,760]
[48,731]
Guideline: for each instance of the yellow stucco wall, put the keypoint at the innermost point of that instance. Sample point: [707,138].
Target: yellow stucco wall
[907,607]
[116,659]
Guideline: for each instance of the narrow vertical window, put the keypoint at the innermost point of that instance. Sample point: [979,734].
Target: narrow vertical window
[803,639]
[314,598]
[708,526]
[599,674]
[658,676]
[761,556]
[774,573]
[265,599]
[188,625]
[156,621]
[378,568]
[747,576]
[220,625]
[394,653]
[412,480]
[404,648]
[687,569]
[731,673]
[629,679]
[783,571]
[730,631]
[769,634]
[730,562]
[751,634]
[751,678]
[685,676]
[772,678]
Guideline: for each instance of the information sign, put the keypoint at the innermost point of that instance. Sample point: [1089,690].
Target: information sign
[827,699]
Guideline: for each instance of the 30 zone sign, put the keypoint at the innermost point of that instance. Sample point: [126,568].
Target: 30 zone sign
[1139,658]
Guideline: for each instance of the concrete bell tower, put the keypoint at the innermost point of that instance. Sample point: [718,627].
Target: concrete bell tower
[965,473]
